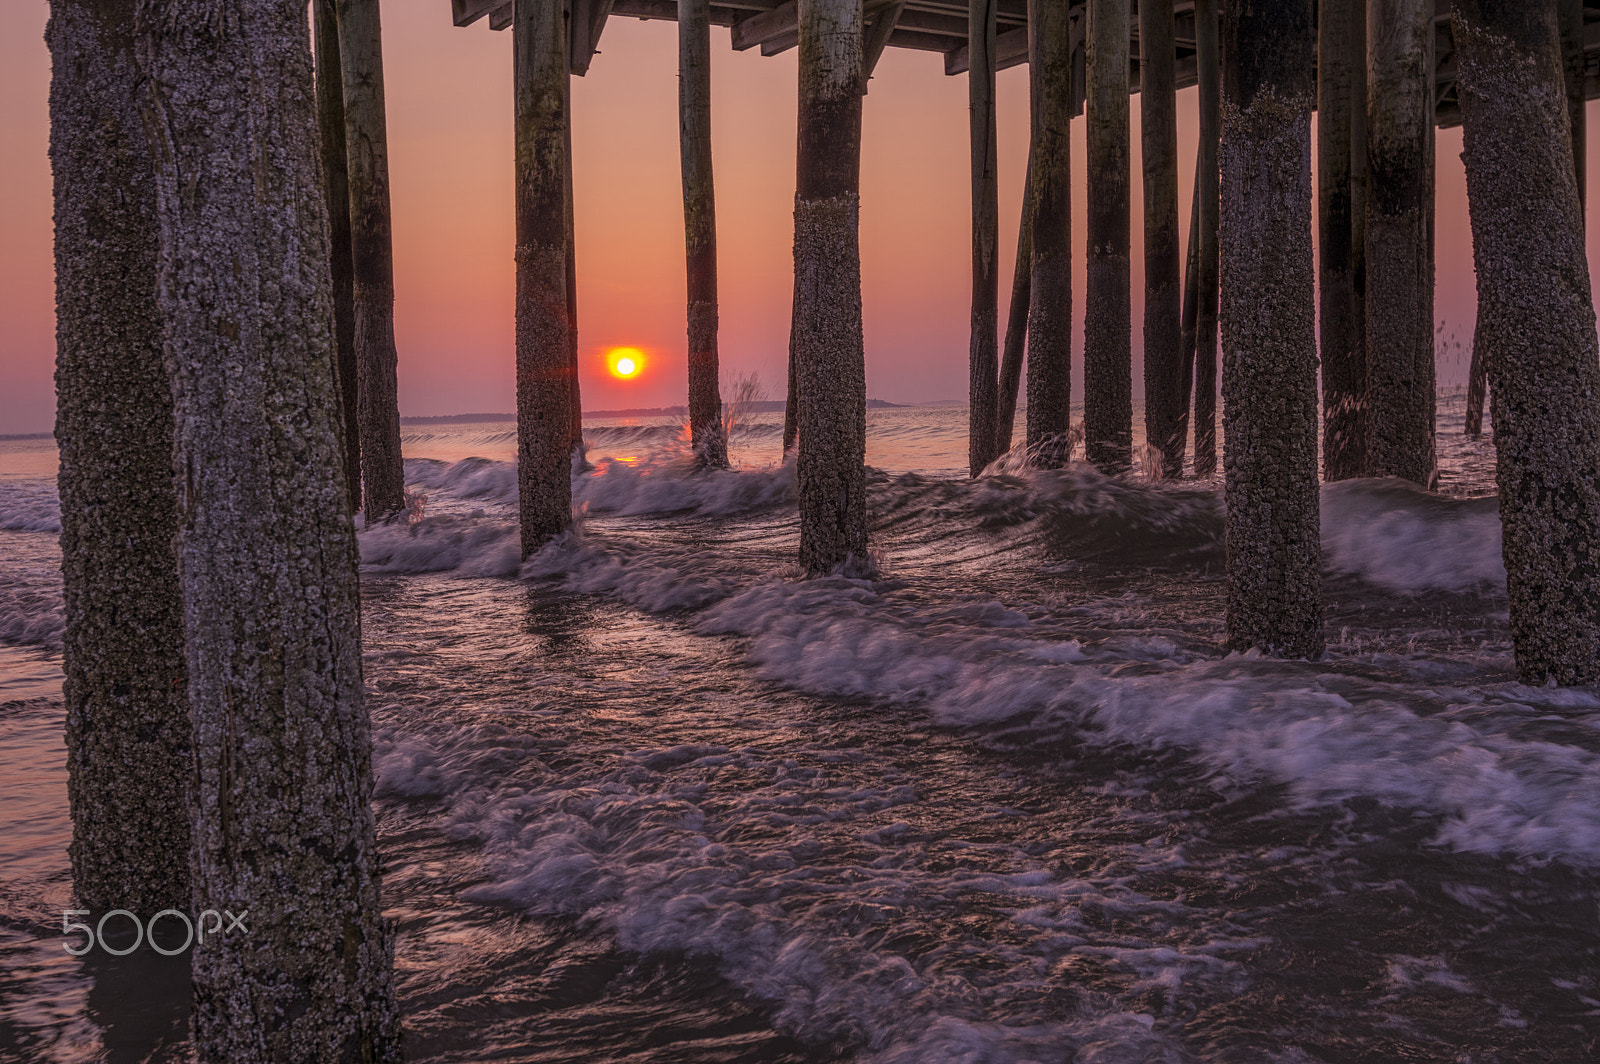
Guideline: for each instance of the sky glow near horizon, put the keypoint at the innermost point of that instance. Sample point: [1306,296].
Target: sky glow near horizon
[450,124]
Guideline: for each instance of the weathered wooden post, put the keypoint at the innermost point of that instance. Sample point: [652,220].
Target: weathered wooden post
[372,251]
[1341,98]
[1050,182]
[544,342]
[336,178]
[283,829]
[1163,309]
[1209,60]
[1011,352]
[127,733]
[1191,308]
[829,359]
[983,360]
[1398,247]
[1107,336]
[1269,343]
[1536,322]
[699,229]
[575,398]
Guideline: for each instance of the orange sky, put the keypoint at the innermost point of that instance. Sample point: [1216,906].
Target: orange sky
[449,109]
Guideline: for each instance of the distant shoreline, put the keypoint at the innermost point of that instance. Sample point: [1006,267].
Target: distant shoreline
[764,406]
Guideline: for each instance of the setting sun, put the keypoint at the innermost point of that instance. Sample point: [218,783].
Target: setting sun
[625,363]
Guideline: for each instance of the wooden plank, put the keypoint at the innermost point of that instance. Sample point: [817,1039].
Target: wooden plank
[466,12]
[877,38]
[1010,49]
[754,30]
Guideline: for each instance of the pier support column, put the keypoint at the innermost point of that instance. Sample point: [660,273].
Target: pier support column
[1163,309]
[283,826]
[372,257]
[1536,329]
[1050,48]
[1107,336]
[983,361]
[1191,311]
[1209,59]
[699,230]
[127,728]
[1015,345]
[544,341]
[336,177]
[1570,16]
[1269,342]
[829,359]
[1341,96]
[1399,259]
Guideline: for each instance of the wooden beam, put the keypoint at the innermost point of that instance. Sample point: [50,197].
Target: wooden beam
[877,38]
[1010,49]
[466,12]
[756,30]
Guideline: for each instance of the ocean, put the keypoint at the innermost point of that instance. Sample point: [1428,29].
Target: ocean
[651,797]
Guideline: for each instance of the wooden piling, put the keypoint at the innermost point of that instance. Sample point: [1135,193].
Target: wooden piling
[1191,311]
[1536,326]
[1107,338]
[1050,48]
[829,359]
[283,823]
[336,178]
[1399,263]
[1341,92]
[983,360]
[1269,343]
[1012,350]
[1208,58]
[699,230]
[128,752]
[1163,309]
[544,389]
[372,257]
[575,397]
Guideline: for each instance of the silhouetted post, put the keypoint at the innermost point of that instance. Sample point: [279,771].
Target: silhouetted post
[1399,260]
[1012,350]
[983,361]
[1208,57]
[1269,342]
[1107,337]
[282,750]
[1050,181]
[575,399]
[829,360]
[336,179]
[1536,324]
[372,249]
[1191,311]
[1341,93]
[699,229]
[1477,387]
[791,404]
[127,734]
[544,343]
[1163,309]
[1570,15]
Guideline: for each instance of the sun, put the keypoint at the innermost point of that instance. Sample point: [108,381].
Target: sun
[625,363]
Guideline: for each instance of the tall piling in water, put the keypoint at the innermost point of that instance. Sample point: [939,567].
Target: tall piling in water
[1398,245]
[1012,350]
[544,390]
[983,360]
[1107,339]
[1163,294]
[829,358]
[1208,58]
[1536,326]
[699,230]
[127,728]
[1050,225]
[1341,96]
[1569,14]
[283,824]
[1269,344]
[336,178]
[372,257]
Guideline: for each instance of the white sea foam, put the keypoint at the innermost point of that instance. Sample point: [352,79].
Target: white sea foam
[29,505]
[1394,534]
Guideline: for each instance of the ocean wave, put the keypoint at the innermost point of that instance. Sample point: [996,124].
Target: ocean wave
[29,505]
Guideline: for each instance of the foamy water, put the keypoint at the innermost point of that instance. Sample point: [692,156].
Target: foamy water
[649,796]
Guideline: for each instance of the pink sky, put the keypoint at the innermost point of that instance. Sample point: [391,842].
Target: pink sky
[449,111]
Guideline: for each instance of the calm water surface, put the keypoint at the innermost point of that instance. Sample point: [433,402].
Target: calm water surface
[649,797]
